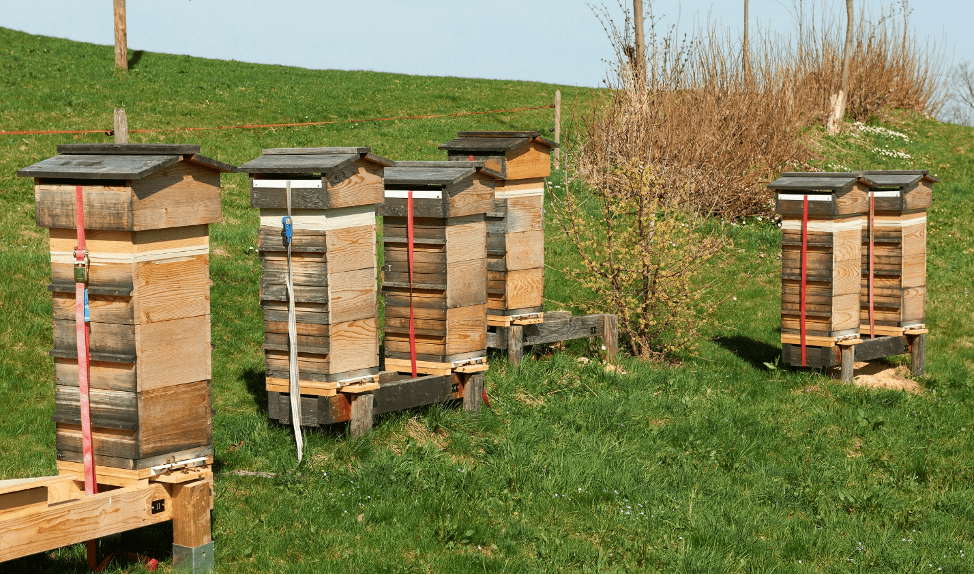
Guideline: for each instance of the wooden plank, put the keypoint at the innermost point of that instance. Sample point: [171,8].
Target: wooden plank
[106,207]
[174,352]
[409,393]
[562,330]
[174,418]
[184,194]
[875,348]
[98,167]
[918,351]
[88,518]
[109,409]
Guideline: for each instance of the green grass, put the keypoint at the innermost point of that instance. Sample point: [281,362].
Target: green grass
[718,464]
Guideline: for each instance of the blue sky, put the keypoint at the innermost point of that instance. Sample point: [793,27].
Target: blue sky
[544,40]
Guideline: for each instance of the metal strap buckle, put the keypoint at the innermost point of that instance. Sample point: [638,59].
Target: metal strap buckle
[288,228]
[81,266]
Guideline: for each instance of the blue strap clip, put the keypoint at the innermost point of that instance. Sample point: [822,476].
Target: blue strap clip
[87,308]
[288,228]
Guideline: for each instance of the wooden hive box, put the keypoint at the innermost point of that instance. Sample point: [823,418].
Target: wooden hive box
[146,213]
[334,192]
[447,291]
[832,281]
[515,226]
[899,234]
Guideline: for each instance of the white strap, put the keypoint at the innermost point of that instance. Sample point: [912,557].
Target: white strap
[292,341]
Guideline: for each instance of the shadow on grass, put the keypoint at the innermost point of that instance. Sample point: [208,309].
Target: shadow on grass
[135,56]
[256,382]
[755,352]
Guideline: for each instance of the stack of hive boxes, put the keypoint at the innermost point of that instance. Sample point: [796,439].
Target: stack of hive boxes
[333,194]
[899,251]
[446,291]
[832,248]
[146,215]
[515,224]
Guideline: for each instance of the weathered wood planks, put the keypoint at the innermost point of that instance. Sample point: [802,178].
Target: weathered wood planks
[832,248]
[147,210]
[333,197]
[515,225]
[447,289]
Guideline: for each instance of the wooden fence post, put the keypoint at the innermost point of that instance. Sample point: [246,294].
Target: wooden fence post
[121,127]
[121,37]
[555,153]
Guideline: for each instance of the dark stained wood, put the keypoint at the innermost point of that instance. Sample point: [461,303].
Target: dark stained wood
[562,330]
[409,393]
[473,390]
[90,167]
[515,344]
[918,352]
[129,149]
[298,163]
[360,423]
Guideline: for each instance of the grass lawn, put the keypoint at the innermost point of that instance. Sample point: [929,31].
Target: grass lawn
[721,463]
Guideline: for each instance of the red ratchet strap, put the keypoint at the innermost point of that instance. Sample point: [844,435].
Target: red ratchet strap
[872,216]
[81,321]
[409,253]
[804,275]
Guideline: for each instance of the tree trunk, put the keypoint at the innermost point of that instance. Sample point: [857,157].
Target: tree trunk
[745,50]
[637,16]
[839,100]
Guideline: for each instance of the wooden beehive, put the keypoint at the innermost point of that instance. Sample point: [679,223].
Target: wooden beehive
[899,233]
[834,237]
[147,208]
[334,192]
[515,225]
[448,289]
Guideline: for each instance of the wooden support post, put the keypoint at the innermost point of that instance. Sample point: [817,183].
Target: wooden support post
[473,391]
[554,153]
[610,335]
[192,542]
[848,362]
[361,418]
[121,127]
[121,37]
[918,352]
[515,344]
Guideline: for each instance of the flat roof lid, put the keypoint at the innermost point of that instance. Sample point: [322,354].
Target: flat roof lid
[897,178]
[494,141]
[309,160]
[117,161]
[812,181]
[435,173]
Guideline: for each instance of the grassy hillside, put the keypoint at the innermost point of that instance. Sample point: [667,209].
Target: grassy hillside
[719,464]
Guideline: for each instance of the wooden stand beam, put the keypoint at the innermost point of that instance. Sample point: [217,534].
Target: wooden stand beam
[515,344]
[473,391]
[918,353]
[848,362]
[360,423]
[192,543]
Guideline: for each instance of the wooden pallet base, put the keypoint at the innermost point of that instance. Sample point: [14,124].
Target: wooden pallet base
[351,385]
[395,392]
[845,354]
[44,513]
[472,365]
[556,326]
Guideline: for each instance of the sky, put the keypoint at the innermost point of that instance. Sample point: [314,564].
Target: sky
[554,41]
